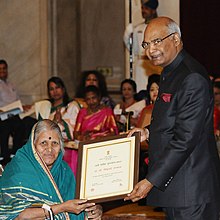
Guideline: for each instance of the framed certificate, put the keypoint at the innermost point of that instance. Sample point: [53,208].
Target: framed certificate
[108,168]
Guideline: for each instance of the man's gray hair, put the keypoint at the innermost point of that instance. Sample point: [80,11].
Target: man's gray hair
[173,27]
[48,125]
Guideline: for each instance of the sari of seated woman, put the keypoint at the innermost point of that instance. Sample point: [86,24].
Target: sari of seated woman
[96,120]
[97,124]
[35,177]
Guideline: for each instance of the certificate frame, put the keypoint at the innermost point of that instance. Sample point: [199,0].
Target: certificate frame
[108,168]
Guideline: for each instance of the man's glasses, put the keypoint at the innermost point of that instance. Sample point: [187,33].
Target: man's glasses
[155,42]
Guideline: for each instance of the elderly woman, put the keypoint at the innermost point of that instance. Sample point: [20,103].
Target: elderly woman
[38,184]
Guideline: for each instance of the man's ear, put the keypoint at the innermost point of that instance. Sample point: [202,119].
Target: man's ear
[177,39]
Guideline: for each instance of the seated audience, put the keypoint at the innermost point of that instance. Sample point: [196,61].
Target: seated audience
[97,120]
[38,177]
[128,110]
[95,78]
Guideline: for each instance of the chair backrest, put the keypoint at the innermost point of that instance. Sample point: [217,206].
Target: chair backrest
[42,109]
[145,117]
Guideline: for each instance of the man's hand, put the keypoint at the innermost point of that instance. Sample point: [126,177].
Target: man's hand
[144,133]
[140,191]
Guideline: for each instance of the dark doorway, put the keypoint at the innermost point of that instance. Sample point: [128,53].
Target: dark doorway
[199,22]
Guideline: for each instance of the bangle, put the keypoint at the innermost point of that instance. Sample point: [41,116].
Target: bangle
[50,211]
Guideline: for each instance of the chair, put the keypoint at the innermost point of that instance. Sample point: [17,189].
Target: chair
[145,117]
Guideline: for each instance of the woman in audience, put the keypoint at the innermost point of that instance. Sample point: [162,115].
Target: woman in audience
[59,108]
[145,119]
[144,94]
[97,120]
[95,78]
[128,106]
[151,95]
[62,110]
[37,184]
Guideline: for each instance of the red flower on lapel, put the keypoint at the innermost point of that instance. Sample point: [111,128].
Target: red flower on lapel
[166,97]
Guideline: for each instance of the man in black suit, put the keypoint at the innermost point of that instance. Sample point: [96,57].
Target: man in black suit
[183,175]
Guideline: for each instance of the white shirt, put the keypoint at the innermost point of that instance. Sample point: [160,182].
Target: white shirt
[8,93]
[138,37]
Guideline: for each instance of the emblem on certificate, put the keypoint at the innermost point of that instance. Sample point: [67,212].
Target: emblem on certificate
[108,168]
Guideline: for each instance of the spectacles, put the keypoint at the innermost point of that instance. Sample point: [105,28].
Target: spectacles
[155,42]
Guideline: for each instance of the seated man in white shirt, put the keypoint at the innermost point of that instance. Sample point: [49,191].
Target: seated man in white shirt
[13,125]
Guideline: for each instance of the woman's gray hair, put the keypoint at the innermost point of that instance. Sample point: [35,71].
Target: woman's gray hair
[48,125]
[173,27]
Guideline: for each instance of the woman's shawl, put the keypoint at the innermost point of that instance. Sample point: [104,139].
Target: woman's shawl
[28,182]
[99,123]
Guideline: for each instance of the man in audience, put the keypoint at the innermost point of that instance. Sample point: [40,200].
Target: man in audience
[13,125]
[183,174]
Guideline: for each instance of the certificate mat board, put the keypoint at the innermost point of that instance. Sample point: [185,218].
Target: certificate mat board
[108,168]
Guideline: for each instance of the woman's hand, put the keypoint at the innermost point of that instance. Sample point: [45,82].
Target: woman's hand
[94,212]
[58,117]
[76,206]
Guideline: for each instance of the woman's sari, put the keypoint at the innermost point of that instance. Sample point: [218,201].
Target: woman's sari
[98,124]
[27,182]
